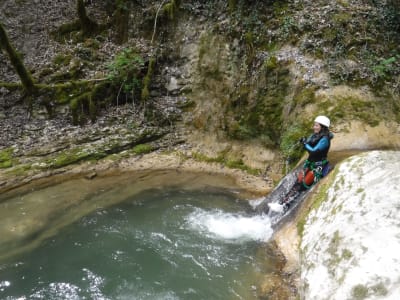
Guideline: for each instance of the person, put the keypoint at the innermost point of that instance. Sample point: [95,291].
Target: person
[316,165]
[317,145]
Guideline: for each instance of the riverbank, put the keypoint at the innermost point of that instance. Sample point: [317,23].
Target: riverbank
[253,185]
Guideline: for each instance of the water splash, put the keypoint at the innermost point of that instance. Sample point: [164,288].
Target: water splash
[254,203]
[230,227]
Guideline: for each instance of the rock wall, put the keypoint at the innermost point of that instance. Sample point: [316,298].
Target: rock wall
[239,84]
[350,240]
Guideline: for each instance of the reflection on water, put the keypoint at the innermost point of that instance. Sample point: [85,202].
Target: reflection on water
[169,243]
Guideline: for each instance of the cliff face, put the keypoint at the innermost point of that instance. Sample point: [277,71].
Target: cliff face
[240,81]
[351,240]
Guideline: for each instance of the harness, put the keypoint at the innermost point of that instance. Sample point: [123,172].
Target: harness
[314,164]
[313,168]
[312,172]
[320,154]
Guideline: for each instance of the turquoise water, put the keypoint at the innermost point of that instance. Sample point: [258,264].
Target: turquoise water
[166,243]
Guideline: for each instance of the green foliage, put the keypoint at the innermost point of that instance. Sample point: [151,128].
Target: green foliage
[6,158]
[386,67]
[125,70]
[142,149]
[290,147]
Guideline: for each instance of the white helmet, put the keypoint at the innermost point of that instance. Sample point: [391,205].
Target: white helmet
[323,121]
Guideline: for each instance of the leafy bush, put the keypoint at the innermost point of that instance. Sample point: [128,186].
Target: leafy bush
[290,147]
[126,70]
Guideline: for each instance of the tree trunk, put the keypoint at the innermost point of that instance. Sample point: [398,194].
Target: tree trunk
[121,19]
[17,62]
[87,25]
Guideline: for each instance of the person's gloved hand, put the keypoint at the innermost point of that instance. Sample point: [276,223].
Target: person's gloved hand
[302,140]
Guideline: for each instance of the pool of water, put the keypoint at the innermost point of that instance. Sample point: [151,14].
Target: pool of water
[154,243]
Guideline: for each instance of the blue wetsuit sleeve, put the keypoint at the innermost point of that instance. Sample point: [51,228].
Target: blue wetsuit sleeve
[322,145]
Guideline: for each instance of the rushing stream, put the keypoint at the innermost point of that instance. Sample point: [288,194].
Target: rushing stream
[151,243]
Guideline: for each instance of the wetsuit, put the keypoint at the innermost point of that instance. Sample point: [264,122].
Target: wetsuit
[317,146]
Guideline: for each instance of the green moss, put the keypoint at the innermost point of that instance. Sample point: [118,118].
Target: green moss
[344,3]
[20,170]
[317,199]
[62,59]
[142,149]
[92,110]
[17,62]
[81,107]
[342,18]
[145,94]
[359,292]
[271,63]
[336,209]
[347,254]
[379,289]
[334,244]
[232,5]
[249,39]
[146,80]
[209,58]
[360,190]
[72,156]
[353,108]
[305,96]
[280,8]
[257,111]
[6,158]
[170,9]
[239,164]
[65,29]
[230,163]
[74,105]
[333,250]
[92,43]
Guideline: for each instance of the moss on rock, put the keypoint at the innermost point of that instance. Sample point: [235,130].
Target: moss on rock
[6,158]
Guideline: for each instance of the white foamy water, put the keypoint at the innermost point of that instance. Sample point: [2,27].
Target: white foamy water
[232,227]
[254,203]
